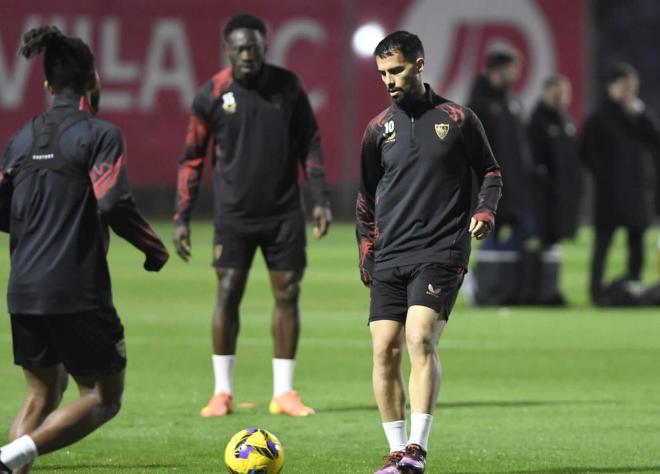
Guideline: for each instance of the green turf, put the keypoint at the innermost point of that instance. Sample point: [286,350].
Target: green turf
[525,390]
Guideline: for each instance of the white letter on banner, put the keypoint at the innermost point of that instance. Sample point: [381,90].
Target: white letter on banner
[12,83]
[113,70]
[168,35]
[286,36]
[82,28]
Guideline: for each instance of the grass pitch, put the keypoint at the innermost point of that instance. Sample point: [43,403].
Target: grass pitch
[525,390]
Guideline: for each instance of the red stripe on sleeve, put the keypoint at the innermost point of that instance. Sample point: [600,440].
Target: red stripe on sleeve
[197,133]
[104,176]
[189,173]
[221,81]
[455,113]
[84,105]
[485,216]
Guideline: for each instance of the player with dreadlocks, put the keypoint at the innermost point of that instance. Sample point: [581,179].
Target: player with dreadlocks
[63,181]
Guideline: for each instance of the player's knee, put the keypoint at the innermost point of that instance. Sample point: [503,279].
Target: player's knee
[111,407]
[287,295]
[420,344]
[386,353]
[230,291]
[108,398]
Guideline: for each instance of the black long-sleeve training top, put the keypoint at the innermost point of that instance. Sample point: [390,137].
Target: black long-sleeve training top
[415,189]
[262,133]
[61,204]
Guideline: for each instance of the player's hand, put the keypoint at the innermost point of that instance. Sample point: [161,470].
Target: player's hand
[478,229]
[182,241]
[322,219]
[153,263]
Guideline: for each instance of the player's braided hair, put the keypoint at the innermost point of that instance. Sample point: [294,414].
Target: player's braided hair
[68,62]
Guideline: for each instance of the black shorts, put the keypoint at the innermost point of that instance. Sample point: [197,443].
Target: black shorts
[87,344]
[394,290]
[282,243]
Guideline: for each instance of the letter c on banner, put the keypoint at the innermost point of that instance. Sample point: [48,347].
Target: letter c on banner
[290,32]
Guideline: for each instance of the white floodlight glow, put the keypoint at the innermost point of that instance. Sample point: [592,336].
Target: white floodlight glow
[366,38]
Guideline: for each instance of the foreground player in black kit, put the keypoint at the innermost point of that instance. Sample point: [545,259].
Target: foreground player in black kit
[263,130]
[414,227]
[63,182]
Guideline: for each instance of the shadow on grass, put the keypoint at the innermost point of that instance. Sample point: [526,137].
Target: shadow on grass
[106,467]
[483,404]
[589,469]
[520,403]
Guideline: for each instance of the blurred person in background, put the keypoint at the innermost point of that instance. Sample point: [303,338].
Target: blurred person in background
[502,116]
[63,182]
[263,131]
[556,190]
[616,143]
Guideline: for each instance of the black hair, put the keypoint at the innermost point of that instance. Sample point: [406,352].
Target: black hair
[68,62]
[244,20]
[407,43]
[618,70]
[553,80]
[500,57]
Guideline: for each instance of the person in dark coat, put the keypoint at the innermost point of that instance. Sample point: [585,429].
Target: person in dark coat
[616,142]
[552,135]
[502,116]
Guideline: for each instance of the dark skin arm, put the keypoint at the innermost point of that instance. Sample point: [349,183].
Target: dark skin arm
[182,241]
[322,219]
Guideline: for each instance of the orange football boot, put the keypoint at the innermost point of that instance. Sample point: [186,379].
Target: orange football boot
[220,404]
[289,403]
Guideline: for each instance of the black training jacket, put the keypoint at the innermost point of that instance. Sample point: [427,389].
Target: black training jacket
[557,180]
[68,184]
[262,135]
[415,188]
[617,148]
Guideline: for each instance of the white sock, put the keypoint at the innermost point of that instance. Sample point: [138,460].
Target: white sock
[19,452]
[223,368]
[395,432]
[420,428]
[283,375]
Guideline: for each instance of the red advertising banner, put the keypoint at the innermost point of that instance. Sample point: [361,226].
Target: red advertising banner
[152,55]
